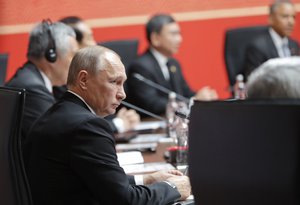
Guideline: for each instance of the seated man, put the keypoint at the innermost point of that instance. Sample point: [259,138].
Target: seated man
[50,51]
[70,156]
[276,78]
[125,119]
[157,65]
[275,42]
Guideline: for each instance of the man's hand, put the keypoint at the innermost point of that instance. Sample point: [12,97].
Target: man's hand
[160,176]
[206,94]
[182,184]
[130,118]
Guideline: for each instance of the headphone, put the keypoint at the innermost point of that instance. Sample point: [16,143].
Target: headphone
[50,53]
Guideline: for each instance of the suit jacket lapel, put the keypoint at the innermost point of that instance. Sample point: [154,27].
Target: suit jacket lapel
[293,48]
[158,73]
[271,48]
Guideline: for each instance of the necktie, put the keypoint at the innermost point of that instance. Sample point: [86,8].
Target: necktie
[286,50]
[172,70]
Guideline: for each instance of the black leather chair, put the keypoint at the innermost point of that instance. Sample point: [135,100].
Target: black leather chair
[127,49]
[3,67]
[14,188]
[245,152]
[236,42]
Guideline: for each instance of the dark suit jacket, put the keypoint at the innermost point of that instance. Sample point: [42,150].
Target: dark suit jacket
[70,158]
[262,49]
[38,99]
[148,97]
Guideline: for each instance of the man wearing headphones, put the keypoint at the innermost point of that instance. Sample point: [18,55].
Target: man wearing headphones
[50,51]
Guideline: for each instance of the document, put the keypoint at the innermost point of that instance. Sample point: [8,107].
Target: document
[133,157]
[148,138]
[150,125]
[147,167]
[143,147]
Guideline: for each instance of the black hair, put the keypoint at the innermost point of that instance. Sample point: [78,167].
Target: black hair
[71,21]
[156,23]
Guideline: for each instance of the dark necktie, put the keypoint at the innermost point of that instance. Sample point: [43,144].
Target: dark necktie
[172,71]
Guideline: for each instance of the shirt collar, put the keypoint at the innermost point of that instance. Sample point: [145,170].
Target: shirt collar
[161,59]
[277,39]
[47,81]
[82,101]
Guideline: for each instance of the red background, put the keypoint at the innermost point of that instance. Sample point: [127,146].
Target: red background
[201,54]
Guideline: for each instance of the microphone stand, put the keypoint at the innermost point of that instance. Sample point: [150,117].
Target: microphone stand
[143,111]
[159,87]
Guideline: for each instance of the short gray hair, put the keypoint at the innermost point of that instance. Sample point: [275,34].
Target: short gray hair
[39,39]
[276,78]
[91,59]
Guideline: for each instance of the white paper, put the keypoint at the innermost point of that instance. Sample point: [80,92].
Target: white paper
[150,125]
[133,157]
[147,138]
[147,167]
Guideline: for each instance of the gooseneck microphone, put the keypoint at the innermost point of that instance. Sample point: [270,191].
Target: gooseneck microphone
[182,115]
[159,87]
[143,111]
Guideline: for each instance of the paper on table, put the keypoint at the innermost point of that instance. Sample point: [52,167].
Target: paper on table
[147,138]
[133,157]
[137,147]
[150,125]
[146,167]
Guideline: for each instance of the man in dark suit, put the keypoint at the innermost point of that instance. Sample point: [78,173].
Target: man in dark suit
[50,50]
[157,65]
[275,42]
[70,156]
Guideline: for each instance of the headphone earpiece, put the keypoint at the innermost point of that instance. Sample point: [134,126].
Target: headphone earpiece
[50,53]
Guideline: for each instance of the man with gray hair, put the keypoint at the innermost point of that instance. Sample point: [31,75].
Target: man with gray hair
[70,151]
[50,51]
[277,79]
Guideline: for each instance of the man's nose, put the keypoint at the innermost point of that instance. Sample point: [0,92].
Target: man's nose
[121,93]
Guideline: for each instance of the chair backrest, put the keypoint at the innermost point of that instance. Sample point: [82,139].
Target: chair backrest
[3,67]
[126,49]
[245,152]
[236,42]
[14,188]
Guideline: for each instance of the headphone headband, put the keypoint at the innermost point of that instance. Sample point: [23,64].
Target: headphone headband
[50,53]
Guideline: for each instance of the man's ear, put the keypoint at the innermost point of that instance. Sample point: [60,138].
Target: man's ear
[155,39]
[82,79]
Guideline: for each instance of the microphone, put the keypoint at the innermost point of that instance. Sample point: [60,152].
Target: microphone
[159,87]
[182,115]
[142,111]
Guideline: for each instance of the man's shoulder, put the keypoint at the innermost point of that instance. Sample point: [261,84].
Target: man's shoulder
[26,77]
[144,60]
[78,116]
[260,39]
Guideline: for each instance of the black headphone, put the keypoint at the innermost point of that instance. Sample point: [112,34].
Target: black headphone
[50,53]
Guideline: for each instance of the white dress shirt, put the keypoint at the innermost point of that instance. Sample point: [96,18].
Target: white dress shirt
[162,61]
[280,43]
[47,81]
